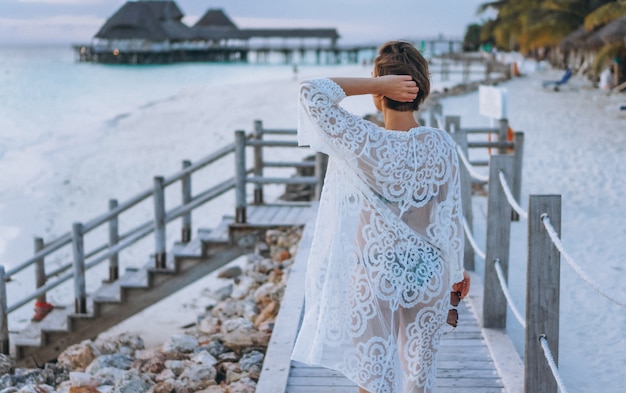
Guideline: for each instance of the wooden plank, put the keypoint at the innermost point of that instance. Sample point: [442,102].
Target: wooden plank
[277,363]
[270,214]
[316,389]
[295,216]
[327,380]
[279,218]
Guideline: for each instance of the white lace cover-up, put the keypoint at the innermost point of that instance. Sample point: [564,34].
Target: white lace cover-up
[387,246]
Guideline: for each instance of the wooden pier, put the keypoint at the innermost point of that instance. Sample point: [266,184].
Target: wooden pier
[262,54]
[470,360]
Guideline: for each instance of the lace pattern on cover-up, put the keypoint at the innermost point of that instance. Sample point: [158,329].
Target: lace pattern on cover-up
[387,246]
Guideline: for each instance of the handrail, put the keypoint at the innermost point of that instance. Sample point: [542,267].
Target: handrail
[554,237]
[66,238]
[104,251]
[130,238]
[543,340]
[509,196]
[211,158]
[507,295]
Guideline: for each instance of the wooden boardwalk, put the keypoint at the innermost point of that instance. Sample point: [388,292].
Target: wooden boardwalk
[467,362]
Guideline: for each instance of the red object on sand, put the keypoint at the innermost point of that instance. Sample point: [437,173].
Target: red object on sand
[41,310]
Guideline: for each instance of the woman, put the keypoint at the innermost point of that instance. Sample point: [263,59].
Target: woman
[387,248]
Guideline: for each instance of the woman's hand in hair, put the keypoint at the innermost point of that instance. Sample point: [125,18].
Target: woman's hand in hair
[401,88]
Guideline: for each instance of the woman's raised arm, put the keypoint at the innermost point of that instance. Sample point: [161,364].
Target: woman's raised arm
[400,88]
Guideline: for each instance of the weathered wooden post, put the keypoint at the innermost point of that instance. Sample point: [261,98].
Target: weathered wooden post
[460,137]
[503,132]
[542,293]
[321,163]
[4,315]
[498,237]
[78,250]
[186,198]
[435,111]
[452,124]
[240,177]
[40,272]
[445,70]
[114,238]
[258,162]
[160,254]
[467,65]
[518,153]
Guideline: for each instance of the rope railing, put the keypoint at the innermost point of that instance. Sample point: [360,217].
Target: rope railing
[470,237]
[557,243]
[507,295]
[509,197]
[470,168]
[555,371]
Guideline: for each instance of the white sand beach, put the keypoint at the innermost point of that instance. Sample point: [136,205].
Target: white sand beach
[575,143]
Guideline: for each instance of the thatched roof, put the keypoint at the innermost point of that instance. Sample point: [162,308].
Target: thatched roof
[161,20]
[576,39]
[215,19]
[152,20]
[292,33]
[614,31]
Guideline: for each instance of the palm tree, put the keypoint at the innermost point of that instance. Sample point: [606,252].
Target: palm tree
[613,53]
[532,24]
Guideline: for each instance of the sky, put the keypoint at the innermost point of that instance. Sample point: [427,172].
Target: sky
[358,21]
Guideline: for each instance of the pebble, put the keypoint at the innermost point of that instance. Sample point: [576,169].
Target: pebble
[226,345]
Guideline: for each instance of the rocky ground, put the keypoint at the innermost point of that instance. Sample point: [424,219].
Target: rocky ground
[222,353]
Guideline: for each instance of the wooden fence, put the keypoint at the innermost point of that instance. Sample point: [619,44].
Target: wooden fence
[543,259]
[83,260]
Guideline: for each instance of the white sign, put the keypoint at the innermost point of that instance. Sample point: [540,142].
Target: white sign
[492,102]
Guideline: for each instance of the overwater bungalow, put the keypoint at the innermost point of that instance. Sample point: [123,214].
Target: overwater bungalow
[152,31]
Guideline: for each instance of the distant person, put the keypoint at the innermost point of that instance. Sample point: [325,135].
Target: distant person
[606,79]
[295,72]
[385,269]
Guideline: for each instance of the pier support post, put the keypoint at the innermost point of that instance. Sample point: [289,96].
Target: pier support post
[542,293]
[503,132]
[435,111]
[114,238]
[321,163]
[78,250]
[40,271]
[160,255]
[240,177]
[498,238]
[460,137]
[4,315]
[186,198]
[518,153]
[258,162]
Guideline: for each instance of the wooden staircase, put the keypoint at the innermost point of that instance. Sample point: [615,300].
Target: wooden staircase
[134,291]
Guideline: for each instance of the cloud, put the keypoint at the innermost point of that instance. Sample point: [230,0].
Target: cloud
[59,2]
[52,29]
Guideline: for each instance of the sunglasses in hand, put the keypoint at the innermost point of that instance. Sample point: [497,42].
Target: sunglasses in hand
[453,313]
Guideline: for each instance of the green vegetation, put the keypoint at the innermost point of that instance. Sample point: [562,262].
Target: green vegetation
[538,28]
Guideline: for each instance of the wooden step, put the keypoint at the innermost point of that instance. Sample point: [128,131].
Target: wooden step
[113,302]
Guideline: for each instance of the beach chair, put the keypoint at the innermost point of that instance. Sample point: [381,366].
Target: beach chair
[562,81]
